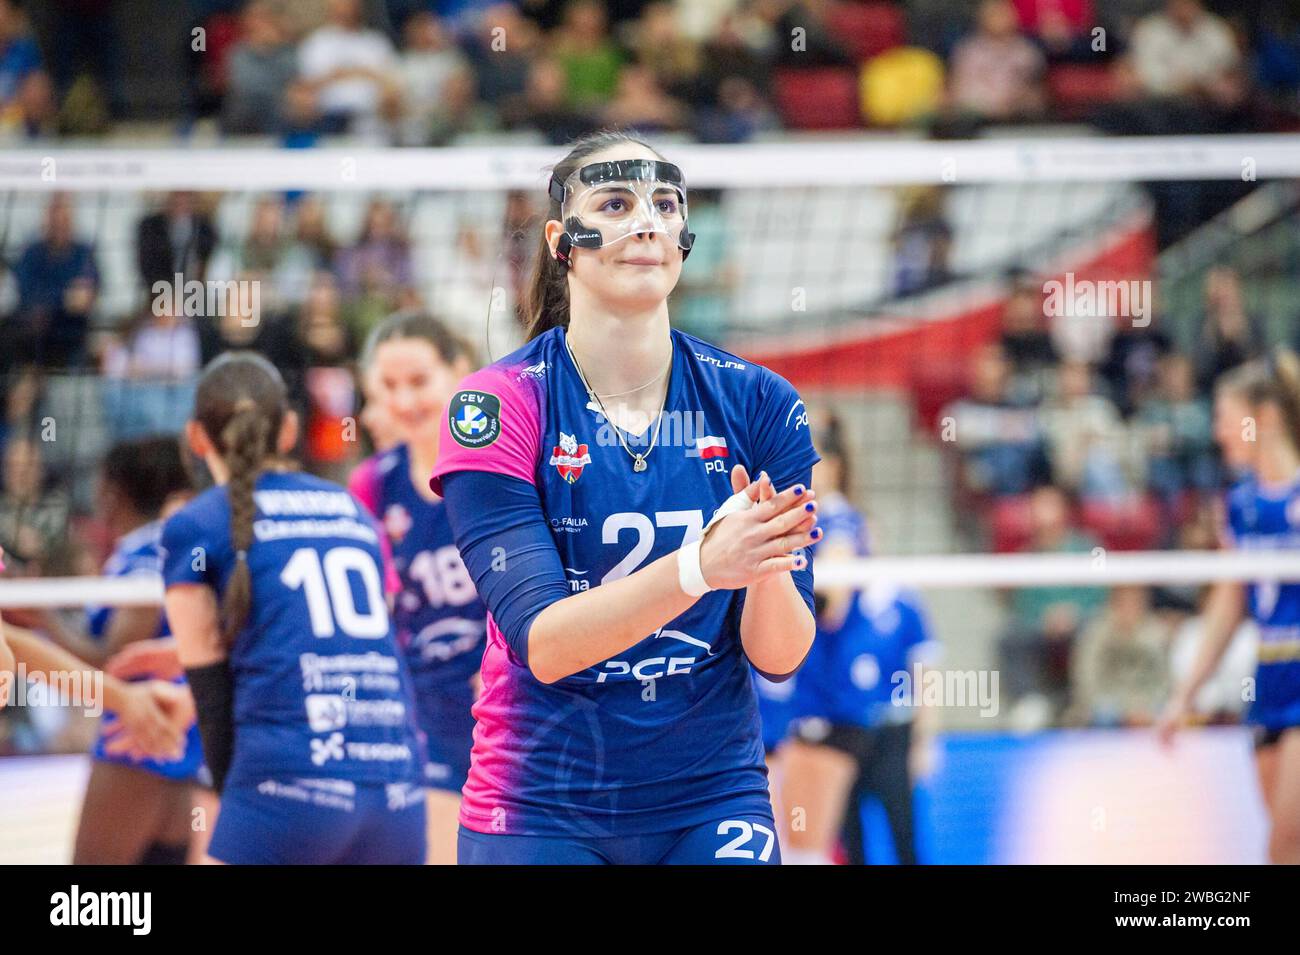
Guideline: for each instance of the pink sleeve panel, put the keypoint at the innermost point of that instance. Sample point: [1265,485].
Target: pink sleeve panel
[497,419]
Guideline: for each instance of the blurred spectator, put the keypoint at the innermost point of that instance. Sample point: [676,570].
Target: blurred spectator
[996,73]
[459,112]
[641,104]
[432,71]
[371,272]
[236,327]
[1025,340]
[26,94]
[177,239]
[259,69]
[804,38]
[589,58]
[1119,671]
[157,345]
[1044,621]
[326,338]
[1185,51]
[33,518]
[1087,442]
[997,436]
[502,51]
[1229,335]
[1131,368]
[261,250]
[1177,434]
[662,48]
[546,107]
[739,114]
[57,284]
[311,250]
[922,240]
[353,71]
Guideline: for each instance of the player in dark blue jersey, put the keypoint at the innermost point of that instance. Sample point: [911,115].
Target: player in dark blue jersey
[855,723]
[136,810]
[414,364]
[598,483]
[275,592]
[1257,427]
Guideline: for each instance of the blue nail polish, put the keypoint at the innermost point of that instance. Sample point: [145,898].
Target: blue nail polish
[816,533]
[798,490]
[810,507]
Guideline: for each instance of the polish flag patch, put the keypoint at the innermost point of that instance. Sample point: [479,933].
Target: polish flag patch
[711,446]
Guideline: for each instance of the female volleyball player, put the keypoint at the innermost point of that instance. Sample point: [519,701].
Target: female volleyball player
[854,733]
[414,364]
[1257,426]
[275,594]
[597,482]
[136,811]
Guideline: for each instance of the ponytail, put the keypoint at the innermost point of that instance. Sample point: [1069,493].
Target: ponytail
[245,440]
[546,301]
[240,403]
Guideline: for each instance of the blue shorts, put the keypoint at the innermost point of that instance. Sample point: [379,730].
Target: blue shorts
[320,822]
[742,839]
[448,731]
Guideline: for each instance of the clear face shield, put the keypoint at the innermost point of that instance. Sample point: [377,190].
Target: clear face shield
[603,203]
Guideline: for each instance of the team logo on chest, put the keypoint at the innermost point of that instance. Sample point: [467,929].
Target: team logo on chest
[569,457]
[397,521]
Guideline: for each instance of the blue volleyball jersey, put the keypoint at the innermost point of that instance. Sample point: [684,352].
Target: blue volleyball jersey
[665,735]
[320,689]
[140,552]
[440,621]
[1261,519]
[862,672]
[780,704]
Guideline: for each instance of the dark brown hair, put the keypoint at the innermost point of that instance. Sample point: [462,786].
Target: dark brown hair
[546,304]
[241,404]
[1274,380]
[147,471]
[402,325]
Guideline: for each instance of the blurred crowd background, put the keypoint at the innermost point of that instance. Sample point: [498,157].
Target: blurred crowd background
[420,73]
[1070,435]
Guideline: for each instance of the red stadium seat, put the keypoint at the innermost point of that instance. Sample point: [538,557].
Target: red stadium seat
[1075,88]
[867,29]
[1009,524]
[1129,526]
[818,99]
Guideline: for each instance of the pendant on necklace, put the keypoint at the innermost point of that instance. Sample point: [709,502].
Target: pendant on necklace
[639,464]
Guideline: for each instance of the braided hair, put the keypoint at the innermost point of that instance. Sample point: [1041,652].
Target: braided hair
[240,404]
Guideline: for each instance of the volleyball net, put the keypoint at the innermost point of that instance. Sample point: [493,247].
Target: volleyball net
[989,321]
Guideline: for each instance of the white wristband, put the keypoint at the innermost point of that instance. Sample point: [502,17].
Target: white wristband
[690,577]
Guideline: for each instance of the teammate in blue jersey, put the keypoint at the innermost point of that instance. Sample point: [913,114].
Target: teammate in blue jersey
[414,364]
[136,810]
[1257,427]
[598,484]
[275,592]
[855,730]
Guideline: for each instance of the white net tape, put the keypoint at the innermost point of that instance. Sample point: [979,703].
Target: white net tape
[1100,568]
[866,163]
